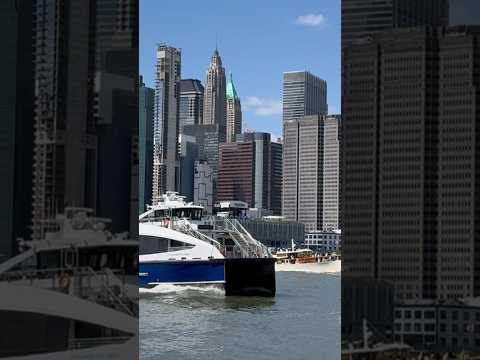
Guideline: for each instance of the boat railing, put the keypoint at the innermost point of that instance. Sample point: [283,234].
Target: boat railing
[259,247]
[105,286]
[253,247]
[184,226]
[246,245]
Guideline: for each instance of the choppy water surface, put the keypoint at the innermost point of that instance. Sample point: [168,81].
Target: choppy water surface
[301,322]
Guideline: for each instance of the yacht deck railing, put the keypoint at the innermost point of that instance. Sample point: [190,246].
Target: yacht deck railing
[106,287]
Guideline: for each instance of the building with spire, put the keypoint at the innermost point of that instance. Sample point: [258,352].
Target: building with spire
[214,108]
[234,112]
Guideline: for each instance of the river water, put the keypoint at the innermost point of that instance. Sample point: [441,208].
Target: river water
[301,322]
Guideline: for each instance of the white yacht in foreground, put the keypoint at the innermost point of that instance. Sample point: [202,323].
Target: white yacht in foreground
[179,244]
[72,295]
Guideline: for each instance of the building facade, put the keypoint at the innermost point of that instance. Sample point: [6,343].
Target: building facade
[276,179]
[363,18]
[262,167]
[207,140]
[188,155]
[204,181]
[409,188]
[302,171]
[331,173]
[452,326]
[236,172]
[215,104]
[303,94]
[323,241]
[234,112]
[146,103]
[275,233]
[191,103]
[166,120]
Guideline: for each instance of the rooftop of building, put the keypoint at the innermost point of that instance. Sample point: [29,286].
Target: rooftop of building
[231,91]
[191,85]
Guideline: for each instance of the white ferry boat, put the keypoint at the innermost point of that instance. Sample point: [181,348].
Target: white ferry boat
[73,295]
[179,244]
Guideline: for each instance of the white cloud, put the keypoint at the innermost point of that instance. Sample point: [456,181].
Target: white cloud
[262,106]
[311,20]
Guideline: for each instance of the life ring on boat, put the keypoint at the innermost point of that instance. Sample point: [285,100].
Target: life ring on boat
[64,281]
[258,252]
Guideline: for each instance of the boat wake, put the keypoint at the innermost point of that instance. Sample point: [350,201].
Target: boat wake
[333,268]
[167,289]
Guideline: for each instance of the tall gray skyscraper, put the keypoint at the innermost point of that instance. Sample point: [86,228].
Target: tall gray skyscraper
[191,103]
[331,173]
[303,94]
[165,134]
[215,105]
[302,171]
[234,112]
[276,164]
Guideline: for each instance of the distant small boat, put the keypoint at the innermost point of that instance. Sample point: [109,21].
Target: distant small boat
[297,256]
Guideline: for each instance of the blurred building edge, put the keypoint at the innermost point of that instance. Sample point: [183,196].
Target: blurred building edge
[85,110]
[409,105]
[369,300]
[16,125]
[146,102]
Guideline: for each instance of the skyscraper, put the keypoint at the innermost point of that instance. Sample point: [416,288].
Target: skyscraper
[167,95]
[188,156]
[331,173]
[63,114]
[206,137]
[146,104]
[262,167]
[215,106]
[302,171]
[276,179]
[207,141]
[234,112]
[236,172]
[363,18]
[191,103]
[412,160]
[303,94]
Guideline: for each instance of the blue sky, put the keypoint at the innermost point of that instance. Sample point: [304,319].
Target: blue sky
[257,40]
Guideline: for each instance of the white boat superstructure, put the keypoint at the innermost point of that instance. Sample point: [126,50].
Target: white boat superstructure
[179,244]
[81,280]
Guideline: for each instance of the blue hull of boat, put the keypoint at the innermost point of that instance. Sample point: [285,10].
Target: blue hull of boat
[181,272]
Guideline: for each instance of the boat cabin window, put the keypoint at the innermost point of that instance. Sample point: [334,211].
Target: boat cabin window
[187,213]
[112,257]
[155,244]
[48,259]
[158,214]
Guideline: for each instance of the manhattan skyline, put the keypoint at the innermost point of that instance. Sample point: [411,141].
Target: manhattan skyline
[257,54]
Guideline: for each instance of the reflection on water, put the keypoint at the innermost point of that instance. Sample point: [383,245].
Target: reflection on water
[186,322]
